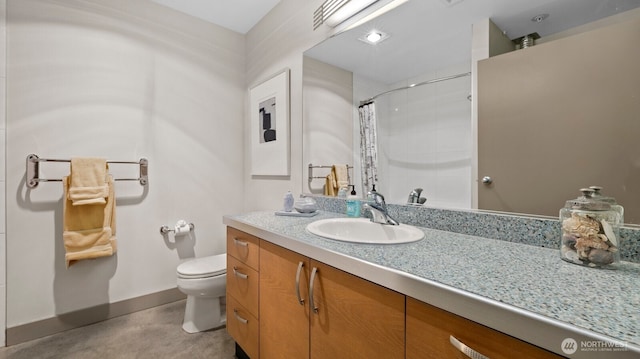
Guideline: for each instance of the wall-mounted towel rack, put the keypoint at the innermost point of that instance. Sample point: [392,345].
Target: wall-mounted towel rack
[33,170]
[312,177]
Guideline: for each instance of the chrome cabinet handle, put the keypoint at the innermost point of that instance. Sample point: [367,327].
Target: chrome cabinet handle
[313,278]
[239,318]
[238,242]
[300,265]
[465,349]
[487,180]
[239,274]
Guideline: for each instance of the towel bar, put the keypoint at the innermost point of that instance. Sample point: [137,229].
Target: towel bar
[33,170]
[311,177]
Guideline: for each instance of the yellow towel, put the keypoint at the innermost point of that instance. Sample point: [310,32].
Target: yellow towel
[329,185]
[88,181]
[341,174]
[336,179]
[89,230]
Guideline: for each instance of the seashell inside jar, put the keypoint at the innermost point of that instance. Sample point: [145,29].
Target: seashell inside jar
[590,232]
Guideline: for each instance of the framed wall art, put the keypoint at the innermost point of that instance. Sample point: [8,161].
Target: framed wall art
[269,106]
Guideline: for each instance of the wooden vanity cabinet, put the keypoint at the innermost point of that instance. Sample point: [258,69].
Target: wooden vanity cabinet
[429,329]
[354,318]
[284,331]
[281,304]
[243,264]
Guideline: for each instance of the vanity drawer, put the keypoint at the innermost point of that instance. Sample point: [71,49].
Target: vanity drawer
[244,247]
[242,284]
[243,327]
[429,330]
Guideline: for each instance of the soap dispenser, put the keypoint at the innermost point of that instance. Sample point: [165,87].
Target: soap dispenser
[371,195]
[288,202]
[353,203]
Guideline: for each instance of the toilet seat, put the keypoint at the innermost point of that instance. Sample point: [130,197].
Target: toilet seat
[204,267]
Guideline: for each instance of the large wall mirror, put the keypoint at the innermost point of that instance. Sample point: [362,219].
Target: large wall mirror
[433,103]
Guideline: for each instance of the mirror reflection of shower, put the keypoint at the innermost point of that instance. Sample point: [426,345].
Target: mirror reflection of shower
[423,136]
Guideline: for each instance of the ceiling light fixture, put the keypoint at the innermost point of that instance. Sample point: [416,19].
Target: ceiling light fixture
[539,18]
[378,9]
[334,12]
[373,37]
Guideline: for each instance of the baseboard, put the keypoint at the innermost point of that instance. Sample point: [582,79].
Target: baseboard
[80,318]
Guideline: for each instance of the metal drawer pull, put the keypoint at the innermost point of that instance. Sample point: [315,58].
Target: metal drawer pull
[239,318]
[238,242]
[313,278]
[239,274]
[300,265]
[465,349]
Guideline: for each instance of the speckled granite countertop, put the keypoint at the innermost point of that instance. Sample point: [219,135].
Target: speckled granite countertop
[523,290]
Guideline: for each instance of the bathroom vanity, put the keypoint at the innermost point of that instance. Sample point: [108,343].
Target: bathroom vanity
[293,294]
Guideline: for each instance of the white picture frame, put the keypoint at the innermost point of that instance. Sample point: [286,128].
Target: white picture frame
[270,134]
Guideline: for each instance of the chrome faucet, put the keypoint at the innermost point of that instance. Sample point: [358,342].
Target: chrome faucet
[378,209]
[414,197]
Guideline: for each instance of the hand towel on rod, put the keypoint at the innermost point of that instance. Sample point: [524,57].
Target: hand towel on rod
[341,173]
[329,185]
[89,231]
[336,179]
[88,183]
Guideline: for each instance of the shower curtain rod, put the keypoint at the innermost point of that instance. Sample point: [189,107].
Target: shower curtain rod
[370,99]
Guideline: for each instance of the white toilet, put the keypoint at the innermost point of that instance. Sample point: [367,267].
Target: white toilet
[203,280]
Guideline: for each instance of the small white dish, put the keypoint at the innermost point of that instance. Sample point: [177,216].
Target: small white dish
[305,205]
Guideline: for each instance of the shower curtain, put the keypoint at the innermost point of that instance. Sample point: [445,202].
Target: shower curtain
[368,146]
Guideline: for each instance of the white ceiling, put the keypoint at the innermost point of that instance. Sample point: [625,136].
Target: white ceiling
[427,35]
[237,15]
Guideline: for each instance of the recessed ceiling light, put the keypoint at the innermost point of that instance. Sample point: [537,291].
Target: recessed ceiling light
[374,37]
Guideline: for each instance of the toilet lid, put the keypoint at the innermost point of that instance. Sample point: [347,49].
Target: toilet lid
[203,267]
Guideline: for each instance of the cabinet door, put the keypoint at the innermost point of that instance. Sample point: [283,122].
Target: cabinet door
[429,329]
[284,321]
[354,318]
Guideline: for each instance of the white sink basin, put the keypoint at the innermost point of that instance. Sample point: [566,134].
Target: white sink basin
[362,230]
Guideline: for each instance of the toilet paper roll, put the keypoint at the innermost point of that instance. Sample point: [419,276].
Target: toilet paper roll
[182,230]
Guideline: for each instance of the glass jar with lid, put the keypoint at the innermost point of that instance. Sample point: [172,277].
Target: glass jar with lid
[590,232]
[597,195]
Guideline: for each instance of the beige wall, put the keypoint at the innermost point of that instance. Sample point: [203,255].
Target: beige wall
[122,80]
[275,43]
[327,121]
[125,80]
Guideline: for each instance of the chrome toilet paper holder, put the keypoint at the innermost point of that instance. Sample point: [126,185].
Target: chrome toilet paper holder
[182,227]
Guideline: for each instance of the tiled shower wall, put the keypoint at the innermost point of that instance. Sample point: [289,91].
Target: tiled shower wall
[424,140]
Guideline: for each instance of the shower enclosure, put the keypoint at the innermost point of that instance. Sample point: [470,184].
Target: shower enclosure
[423,136]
